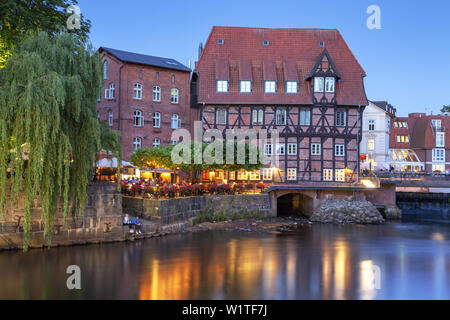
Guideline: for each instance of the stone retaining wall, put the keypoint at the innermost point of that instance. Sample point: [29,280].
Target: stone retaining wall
[170,211]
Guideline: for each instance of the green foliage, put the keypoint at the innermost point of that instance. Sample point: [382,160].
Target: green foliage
[49,132]
[446,109]
[110,142]
[18,17]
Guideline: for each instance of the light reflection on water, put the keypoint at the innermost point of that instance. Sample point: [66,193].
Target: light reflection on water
[317,262]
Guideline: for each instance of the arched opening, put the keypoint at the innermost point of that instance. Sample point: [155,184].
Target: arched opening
[295,205]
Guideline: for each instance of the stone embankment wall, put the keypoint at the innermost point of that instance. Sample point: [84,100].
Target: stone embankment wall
[102,221]
[170,211]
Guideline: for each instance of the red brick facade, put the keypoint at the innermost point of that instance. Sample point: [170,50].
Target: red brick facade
[124,75]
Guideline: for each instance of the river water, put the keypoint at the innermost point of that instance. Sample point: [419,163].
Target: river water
[408,260]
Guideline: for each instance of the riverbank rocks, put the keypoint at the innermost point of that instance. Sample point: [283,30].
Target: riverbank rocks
[347,212]
[393,213]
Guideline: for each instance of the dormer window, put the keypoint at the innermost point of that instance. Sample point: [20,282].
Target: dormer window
[222,86]
[329,84]
[318,84]
[291,87]
[246,86]
[270,86]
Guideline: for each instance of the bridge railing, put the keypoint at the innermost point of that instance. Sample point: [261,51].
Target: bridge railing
[421,176]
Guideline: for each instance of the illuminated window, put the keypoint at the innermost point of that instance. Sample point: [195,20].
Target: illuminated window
[371,144]
[340,175]
[292,174]
[267,174]
[328,174]
[242,175]
[438,167]
[255,175]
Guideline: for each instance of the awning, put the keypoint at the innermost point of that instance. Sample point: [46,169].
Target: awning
[112,163]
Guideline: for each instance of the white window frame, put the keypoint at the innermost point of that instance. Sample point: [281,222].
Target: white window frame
[222,86]
[175,121]
[438,155]
[221,116]
[339,150]
[440,139]
[110,93]
[319,84]
[138,118]
[316,149]
[344,118]
[305,114]
[156,143]
[371,144]
[258,117]
[157,94]
[340,175]
[281,117]
[156,120]
[281,149]
[137,91]
[270,86]
[110,118]
[268,149]
[268,174]
[292,174]
[327,174]
[291,87]
[371,126]
[292,149]
[436,123]
[245,86]
[137,143]
[174,95]
[330,84]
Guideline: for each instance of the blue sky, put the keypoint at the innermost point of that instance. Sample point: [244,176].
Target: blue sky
[407,62]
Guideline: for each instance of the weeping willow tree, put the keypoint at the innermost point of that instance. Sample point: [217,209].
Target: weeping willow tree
[49,131]
[110,142]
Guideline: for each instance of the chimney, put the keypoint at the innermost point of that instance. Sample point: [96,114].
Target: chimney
[200,50]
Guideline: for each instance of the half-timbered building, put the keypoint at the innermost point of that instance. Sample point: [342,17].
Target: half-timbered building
[306,83]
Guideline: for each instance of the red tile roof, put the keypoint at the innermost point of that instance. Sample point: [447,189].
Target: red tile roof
[297,49]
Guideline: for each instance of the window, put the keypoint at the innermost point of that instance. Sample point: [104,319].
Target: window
[266,43]
[291,87]
[246,86]
[268,149]
[174,96]
[176,122]
[305,117]
[221,116]
[157,120]
[137,91]
[436,124]
[316,149]
[292,149]
[281,149]
[340,175]
[110,93]
[156,94]
[255,175]
[292,174]
[371,144]
[258,117]
[440,139]
[267,174]
[270,87]
[329,84]
[395,124]
[242,175]
[341,118]
[157,76]
[388,125]
[438,155]
[220,41]
[110,118]
[339,150]
[137,143]
[173,79]
[222,86]
[402,139]
[140,74]
[438,168]
[105,70]
[371,125]
[328,174]
[280,117]
[174,142]
[138,119]
[156,142]
[318,84]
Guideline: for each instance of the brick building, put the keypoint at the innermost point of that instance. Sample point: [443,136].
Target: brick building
[306,83]
[145,98]
[420,142]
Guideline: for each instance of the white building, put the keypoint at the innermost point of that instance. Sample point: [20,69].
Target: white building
[375,141]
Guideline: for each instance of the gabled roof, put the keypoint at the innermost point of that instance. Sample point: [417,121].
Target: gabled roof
[126,56]
[384,105]
[296,49]
[319,61]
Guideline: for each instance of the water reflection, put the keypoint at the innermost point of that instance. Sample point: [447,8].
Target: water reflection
[317,262]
